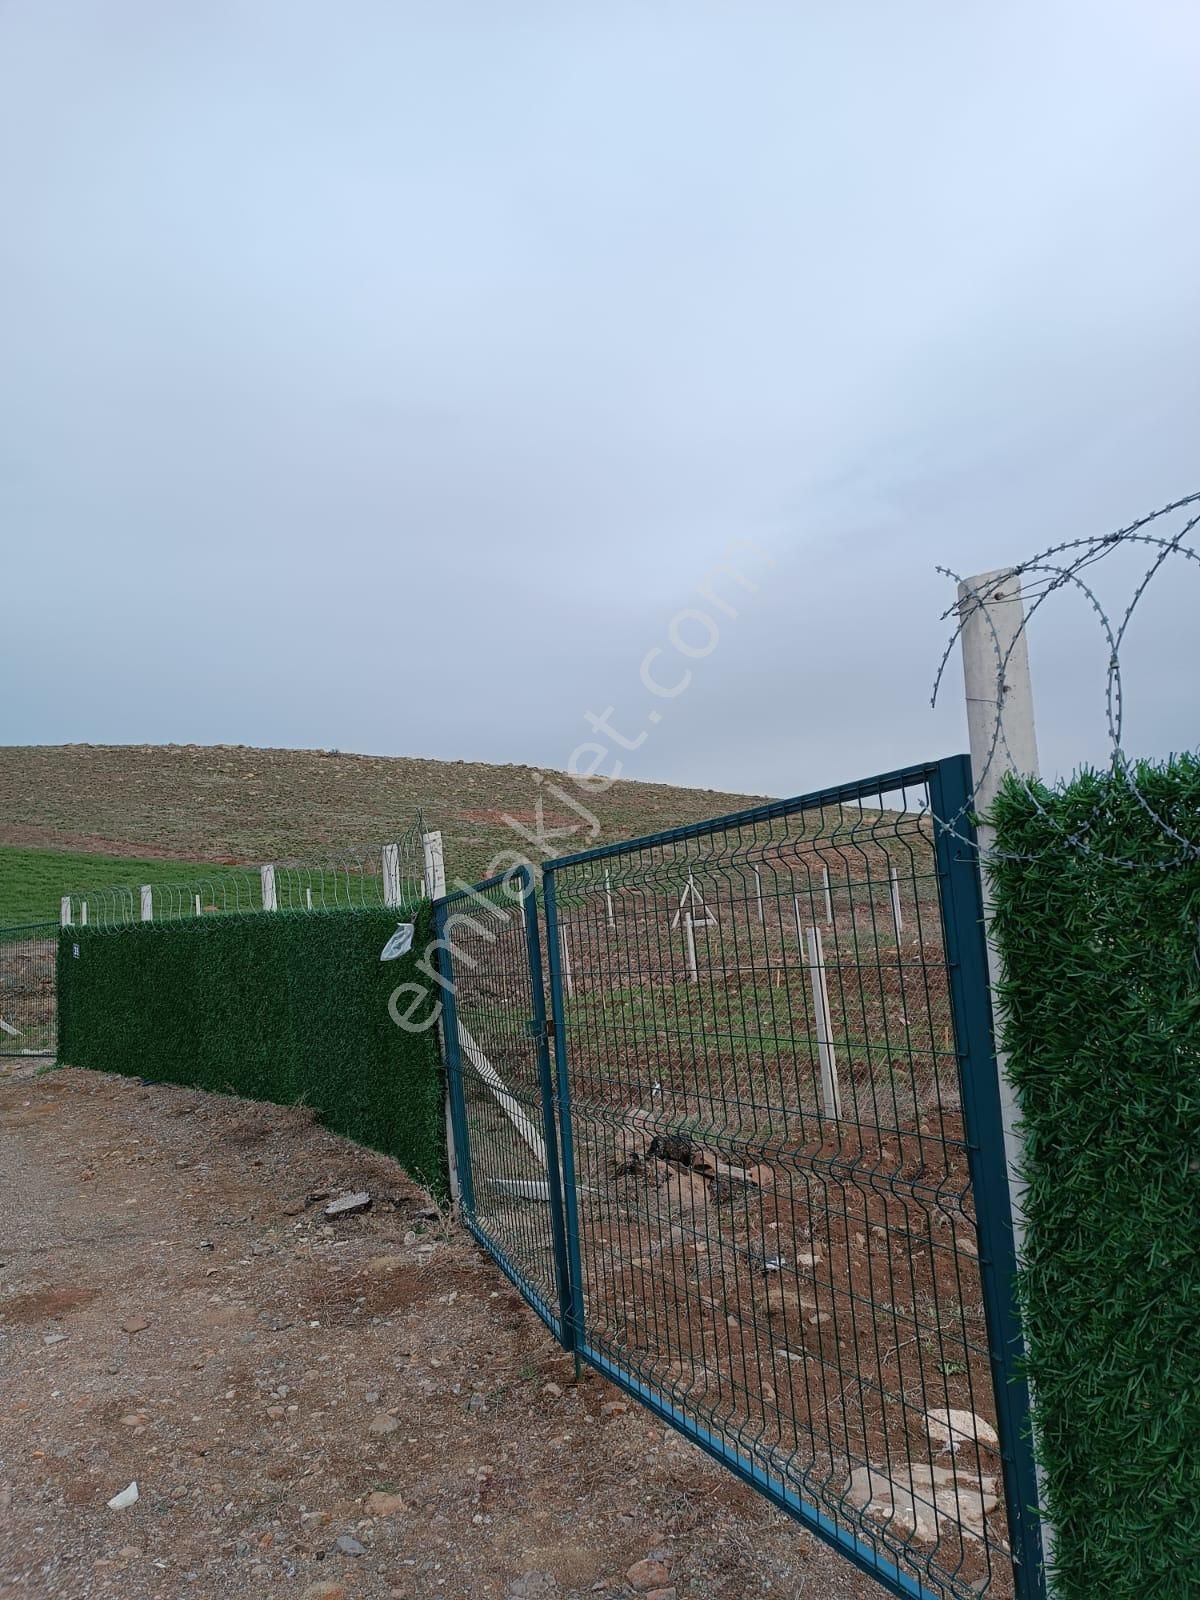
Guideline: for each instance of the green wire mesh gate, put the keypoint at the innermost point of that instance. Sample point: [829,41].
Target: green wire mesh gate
[752,1168]
[28,1002]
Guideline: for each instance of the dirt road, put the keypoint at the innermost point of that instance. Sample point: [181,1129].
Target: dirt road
[363,1409]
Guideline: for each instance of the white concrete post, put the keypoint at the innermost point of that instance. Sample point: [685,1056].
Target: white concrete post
[269,902]
[83,922]
[830,1094]
[197,900]
[762,919]
[1003,739]
[435,866]
[608,900]
[828,895]
[308,899]
[391,874]
[147,903]
[65,911]
[568,977]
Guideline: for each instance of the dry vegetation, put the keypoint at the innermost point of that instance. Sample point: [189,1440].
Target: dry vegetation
[231,803]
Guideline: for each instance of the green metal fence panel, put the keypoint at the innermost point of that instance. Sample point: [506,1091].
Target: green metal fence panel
[787,1216]
[28,1006]
[501,1095]
[752,1168]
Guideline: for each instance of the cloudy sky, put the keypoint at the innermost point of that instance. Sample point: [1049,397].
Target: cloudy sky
[387,376]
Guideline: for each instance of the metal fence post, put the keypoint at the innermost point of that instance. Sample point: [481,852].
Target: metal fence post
[554,1172]
[950,796]
[458,1139]
[574,1316]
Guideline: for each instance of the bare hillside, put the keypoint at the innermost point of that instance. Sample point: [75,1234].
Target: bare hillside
[238,804]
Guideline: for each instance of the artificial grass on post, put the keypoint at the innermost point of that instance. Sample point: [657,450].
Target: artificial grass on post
[290,1007]
[1101,1021]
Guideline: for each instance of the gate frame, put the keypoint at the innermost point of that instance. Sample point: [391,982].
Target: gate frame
[960,902]
[525,906]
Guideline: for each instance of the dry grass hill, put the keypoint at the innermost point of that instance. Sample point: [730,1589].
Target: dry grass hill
[231,803]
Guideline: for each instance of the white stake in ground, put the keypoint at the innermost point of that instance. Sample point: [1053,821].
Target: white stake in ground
[830,1095]
[267,875]
[608,901]
[196,901]
[65,910]
[147,903]
[507,1102]
[828,895]
[568,978]
[689,942]
[897,914]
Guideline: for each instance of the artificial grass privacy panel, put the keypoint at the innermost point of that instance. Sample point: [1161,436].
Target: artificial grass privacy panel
[287,1007]
[1101,1020]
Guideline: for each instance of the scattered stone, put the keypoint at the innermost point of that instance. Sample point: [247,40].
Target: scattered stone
[647,1575]
[348,1546]
[661,1594]
[477,1402]
[951,1428]
[127,1497]
[382,1423]
[913,1498]
[380,1504]
[136,1324]
[347,1204]
[533,1586]
[324,1591]
[554,1390]
[293,1208]
[613,1408]
[54,1338]
[277,1413]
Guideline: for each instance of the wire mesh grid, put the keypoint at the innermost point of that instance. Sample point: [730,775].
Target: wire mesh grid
[772,1207]
[359,877]
[500,1090]
[28,1001]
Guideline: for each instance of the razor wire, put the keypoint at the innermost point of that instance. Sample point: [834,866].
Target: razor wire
[1058,567]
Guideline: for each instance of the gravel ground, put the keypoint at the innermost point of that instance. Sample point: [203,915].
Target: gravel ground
[363,1409]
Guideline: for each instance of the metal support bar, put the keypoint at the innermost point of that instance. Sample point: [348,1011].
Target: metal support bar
[966,953]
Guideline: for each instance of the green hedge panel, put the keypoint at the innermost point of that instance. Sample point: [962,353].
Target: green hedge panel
[286,1007]
[1101,1008]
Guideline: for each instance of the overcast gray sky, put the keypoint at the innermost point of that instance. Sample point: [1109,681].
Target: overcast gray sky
[387,376]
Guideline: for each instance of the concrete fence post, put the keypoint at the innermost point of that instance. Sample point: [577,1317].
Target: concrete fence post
[147,903]
[65,911]
[391,875]
[1003,740]
[269,901]
[435,865]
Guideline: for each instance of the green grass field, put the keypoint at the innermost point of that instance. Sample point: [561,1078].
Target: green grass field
[33,882]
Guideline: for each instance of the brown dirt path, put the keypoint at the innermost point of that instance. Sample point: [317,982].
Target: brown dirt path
[173,1312]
